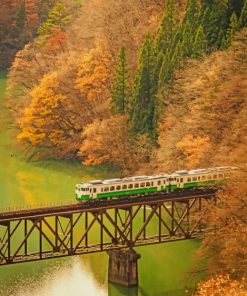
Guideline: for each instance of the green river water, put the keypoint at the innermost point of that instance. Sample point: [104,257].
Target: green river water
[163,269]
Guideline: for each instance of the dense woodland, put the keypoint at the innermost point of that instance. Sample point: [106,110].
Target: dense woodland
[143,85]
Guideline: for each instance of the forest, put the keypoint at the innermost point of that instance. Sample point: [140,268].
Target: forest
[146,86]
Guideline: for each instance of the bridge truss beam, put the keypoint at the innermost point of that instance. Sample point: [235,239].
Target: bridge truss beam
[99,227]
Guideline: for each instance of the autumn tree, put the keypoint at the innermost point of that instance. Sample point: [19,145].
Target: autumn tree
[120,89]
[93,77]
[221,285]
[109,141]
[40,124]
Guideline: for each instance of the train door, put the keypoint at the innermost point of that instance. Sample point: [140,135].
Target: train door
[159,185]
[180,182]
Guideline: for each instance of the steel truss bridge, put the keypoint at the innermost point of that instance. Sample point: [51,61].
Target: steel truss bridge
[96,226]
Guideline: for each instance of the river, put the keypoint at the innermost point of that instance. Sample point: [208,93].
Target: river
[163,269]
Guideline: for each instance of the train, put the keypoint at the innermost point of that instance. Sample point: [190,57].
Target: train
[140,185]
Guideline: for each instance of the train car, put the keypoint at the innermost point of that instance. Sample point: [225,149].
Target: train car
[139,185]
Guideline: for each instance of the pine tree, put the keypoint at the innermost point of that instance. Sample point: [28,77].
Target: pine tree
[232,29]
[58,17]
[214,18]
[200,44]
[120,85]
[189,27]
[166,70]
[143,114]
[243,17]
[192,14]
[168,26]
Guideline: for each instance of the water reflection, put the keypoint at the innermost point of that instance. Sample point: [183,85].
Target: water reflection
[60,280]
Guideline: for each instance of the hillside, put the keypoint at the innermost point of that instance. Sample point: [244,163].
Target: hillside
[205,122]
[19,21]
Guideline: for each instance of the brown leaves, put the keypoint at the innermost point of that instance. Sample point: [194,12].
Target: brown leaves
[221,285]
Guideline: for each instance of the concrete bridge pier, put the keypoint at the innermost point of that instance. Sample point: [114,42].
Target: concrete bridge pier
[123,267]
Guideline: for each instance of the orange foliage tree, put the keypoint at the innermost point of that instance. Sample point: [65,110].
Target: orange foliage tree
[109,141]
[193,148]
[39,124]
[94,74]
[221,285]
[56,40]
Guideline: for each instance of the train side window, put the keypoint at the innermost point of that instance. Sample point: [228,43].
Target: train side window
[118,187]
[124,187]
[147,184]
[194,179]
[142,185]
[199,178]
[215,176]
[102,189]
[164,182]
[130,186]
[181,179]
[152,183]
[112,188]
[189,179]
[136,185]
[203,177]
[220,175]
[106,189]
[159,182]
[94,190]
[209,177]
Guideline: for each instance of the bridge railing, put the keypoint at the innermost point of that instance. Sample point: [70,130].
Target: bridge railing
[38,205]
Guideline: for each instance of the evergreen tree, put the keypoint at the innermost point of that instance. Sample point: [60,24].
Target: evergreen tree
[190,25]
[168,26]
[192,14]
[58,17]
[120,85]
[232,29]
[243,17]
[166,70]
[143,114]
[214,18]
[20,19]
[200,44]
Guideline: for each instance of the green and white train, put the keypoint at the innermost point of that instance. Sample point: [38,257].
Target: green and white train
[139,185]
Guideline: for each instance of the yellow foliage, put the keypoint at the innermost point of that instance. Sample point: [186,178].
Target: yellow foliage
[94,73]
[38,124]
[194,148]
[221,285]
